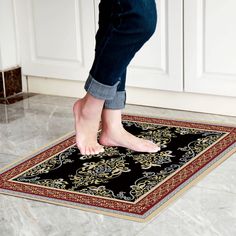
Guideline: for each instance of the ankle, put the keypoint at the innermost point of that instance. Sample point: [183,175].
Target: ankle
[91,106]
[111,126]
[89,99]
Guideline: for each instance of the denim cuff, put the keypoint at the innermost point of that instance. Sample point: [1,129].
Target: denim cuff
[118,102]
[99,90]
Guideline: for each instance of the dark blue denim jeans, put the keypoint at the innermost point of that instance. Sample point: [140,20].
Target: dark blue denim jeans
[124,27]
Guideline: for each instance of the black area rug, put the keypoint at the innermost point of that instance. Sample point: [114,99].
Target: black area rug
[121,182]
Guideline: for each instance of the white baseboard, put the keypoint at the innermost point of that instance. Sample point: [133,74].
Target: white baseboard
[221,105]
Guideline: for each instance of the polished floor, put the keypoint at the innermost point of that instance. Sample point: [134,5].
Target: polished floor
[207,209]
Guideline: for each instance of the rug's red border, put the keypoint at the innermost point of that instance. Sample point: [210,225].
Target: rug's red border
[145,203]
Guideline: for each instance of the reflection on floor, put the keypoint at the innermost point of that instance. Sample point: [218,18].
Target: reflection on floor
[15,98]
[208,208]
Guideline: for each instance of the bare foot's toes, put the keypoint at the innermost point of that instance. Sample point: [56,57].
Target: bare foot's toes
[100,148]
[152,145]
[97,149]
[82,151]
[91,151]
[87,152]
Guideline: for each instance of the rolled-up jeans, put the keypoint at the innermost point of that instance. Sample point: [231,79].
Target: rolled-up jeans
[124,27]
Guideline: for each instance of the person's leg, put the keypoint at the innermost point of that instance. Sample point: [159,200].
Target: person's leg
[113,132]
[131,25]
[87,111]
[119,100]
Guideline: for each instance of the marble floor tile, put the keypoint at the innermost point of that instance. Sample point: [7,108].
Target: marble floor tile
[48,99]
[6,159]
[222,178]
[38,125]
[207,209]
[180,115]
[8,114]
[199,211]
[28,217]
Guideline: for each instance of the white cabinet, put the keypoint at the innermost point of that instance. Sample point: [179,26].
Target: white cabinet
[210,47]
[58,40]
[56,37]
[192,50]
[159,63]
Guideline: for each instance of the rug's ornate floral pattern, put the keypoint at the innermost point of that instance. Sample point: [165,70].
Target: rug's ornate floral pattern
[152,159]
[50,165]
[120,173]
[99,172]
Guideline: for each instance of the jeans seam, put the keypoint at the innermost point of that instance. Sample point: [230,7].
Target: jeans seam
[108,37]
[119,14]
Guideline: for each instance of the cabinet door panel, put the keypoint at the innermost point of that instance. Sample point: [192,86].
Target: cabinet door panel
[56,37]
[210,49]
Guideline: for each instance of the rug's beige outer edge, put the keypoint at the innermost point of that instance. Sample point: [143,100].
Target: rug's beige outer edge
[171,200]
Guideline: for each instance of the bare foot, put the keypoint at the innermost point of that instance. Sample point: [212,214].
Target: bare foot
[114,134]
[121,137]
[86,126]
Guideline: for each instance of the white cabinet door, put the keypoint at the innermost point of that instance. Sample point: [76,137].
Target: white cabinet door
[57,40]
[56,37]
[159,63]
[209,46]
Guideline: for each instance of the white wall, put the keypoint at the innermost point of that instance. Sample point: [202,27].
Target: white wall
[9,53]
